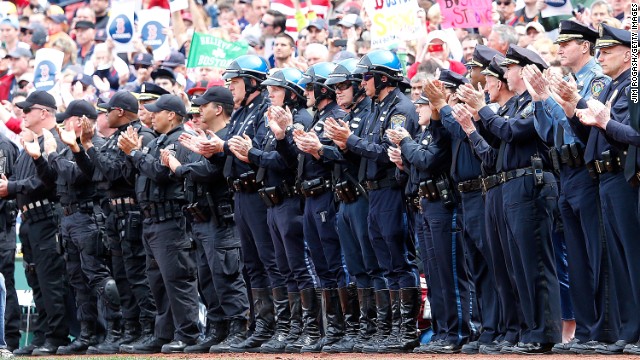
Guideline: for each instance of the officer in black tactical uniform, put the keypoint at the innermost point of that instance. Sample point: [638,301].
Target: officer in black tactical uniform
[8,212]
[39,230]
[210,212]
[170,266]
[81,238]
[112,167]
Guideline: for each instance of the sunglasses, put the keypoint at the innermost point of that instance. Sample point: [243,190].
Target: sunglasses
[29,109]
[343,86]
[138,67]
[113,108]
[367,76]
[264,24]
[505,3]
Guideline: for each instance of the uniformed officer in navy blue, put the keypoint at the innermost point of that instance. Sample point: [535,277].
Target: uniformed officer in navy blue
[314,175]
[604,155]
[496,230]
[39,230]
[112,166]
[149,92]
[284,215]
[382,73]
[529,192]
[466,173]
[579,203]
[8,155]
[210,213]
[170,266]
[87,269]
[357,248]
[245,75]
[448,272]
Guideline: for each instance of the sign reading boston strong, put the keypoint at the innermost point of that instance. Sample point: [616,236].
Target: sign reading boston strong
[210,51]
[466,13]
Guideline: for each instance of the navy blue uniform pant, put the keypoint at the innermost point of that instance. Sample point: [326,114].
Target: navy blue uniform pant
[7,268]
[444,236]
[528,212]
[285,225]
[359,256]
[388,235]
[257,247]
[622,226]
[319,224]
[502,268]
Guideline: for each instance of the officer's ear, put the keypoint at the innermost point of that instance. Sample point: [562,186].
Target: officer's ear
[384,79]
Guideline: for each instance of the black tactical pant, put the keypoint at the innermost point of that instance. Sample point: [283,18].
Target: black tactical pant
[46,275]
[7,268]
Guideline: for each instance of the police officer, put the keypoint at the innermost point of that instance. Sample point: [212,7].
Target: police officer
[245,75]
[86,266]
[314,176]
[297,313]
[39,230]
[170,266]
[603,156]
[579,203]
[109,164]
[211,216]
[529,194]
[359,255]
[381,71]
[8,156]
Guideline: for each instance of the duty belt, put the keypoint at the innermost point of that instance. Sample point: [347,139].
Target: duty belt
[470,185]
[514,174]
[85,207]
[413,202]
[315,187]
[491,181]
[37,210]
[275,195]
[122,205]
[159,212]
[380,184]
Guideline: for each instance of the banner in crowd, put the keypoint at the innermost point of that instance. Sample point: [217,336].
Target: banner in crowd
[393,21]
[177,5]
[466,13]
[47,65]
[310,9]
[120,26]
[151,24]
[210,51]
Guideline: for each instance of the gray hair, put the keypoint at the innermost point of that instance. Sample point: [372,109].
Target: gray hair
[507,34]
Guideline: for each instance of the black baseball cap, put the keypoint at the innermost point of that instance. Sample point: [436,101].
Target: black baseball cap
[163,73]
[218,94]
[77,108]
[85,25]
[123,100]
[38,97]
[150,91]
[167,102]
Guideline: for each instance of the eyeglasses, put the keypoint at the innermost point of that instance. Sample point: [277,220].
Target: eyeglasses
[343,85]
[264,24]
[367,76]
[29,109]
[138,66]
[505,3]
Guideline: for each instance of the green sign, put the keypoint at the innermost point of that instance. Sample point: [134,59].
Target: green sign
[210,51]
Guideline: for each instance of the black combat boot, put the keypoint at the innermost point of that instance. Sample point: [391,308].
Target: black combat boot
[350,309]
[111,343]
[237,334]
[295,325]
[216,333]
[311,327]
[264,322]
[131,332]
[278,341]
[383,323]
[407,339]
[80,345]
[146,334]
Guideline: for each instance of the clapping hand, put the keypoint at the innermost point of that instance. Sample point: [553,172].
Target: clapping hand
[396,135]
[240,147]
[30,143]
[50,144]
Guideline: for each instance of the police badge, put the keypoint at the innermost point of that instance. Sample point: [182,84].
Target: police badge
[596,87]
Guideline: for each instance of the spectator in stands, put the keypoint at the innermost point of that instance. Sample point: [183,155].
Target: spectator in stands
[469,43]
[501,37]
[101,12]
[600,9]
[9,31]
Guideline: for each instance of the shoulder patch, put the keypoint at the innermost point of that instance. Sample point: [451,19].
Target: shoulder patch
[527,111]
[597,86]
[397,121]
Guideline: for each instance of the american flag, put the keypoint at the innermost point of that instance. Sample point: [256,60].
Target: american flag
[319,7]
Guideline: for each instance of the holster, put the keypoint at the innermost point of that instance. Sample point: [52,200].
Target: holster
[271,196]
[446,193]
[347,192]
[133,226]
[428,190]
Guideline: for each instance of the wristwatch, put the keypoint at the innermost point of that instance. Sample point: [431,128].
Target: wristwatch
[321,151]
